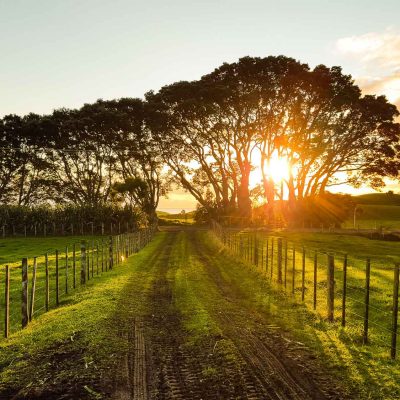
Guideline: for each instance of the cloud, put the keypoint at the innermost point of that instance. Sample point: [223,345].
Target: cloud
[374,49]
[377,54]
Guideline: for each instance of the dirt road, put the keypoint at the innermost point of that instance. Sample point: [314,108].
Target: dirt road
[181,319]
[203,334]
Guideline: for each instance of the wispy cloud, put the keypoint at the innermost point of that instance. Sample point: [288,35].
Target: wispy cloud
[378,56]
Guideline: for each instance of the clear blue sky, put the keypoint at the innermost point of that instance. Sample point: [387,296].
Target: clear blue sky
[58,53]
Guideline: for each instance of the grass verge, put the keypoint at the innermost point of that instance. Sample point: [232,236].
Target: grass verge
[72,349]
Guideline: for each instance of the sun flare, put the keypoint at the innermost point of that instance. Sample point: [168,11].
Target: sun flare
[277,169]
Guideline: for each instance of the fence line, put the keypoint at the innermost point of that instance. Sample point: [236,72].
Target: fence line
[314,274]
[54,275]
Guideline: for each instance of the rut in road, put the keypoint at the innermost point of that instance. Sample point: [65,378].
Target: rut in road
[160,364]
[261,349]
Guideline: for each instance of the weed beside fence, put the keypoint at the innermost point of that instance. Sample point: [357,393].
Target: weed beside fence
[361,296]
[35,285]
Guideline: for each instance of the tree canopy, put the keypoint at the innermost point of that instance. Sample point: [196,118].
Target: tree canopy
[209,136]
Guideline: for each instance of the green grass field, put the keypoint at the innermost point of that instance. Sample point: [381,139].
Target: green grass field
[179,218]
[12,250]
[376,211]
[190,281]
[383,255]
[337,342]
[69,338]
[370,216]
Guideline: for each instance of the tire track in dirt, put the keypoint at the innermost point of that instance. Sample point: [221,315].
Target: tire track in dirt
[278,375]
[156,363]
[176,369]
[131,378]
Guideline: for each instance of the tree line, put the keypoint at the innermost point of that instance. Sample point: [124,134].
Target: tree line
[207,135]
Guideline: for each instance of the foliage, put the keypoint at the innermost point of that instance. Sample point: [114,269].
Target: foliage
[76,156]
[207,135]
[209,131]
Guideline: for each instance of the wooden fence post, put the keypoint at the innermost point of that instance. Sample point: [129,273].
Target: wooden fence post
[293,269]
[47,287]
[286,260]
[344,292]
[24,308]
[331,287]
[83,262]
[74,265]
[267,257]
[66,270]
[111,263]
[92,263]
[366,314]
[102,255]
[57,281]
[272,258]
[280,260]
[255,250]
[315,280]
[33,290]
[395,311]
[7,303]
[303,275]
[97,257]
[87,260]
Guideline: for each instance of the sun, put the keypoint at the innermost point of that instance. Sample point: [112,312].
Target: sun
[278,170]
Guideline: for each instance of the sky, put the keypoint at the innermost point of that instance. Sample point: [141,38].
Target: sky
[64,53]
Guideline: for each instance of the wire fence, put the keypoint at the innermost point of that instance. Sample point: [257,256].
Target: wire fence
[35,285]
[360,295]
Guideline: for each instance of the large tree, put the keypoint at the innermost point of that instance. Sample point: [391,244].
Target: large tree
[24,167]
[213,132]
[139,166]
[84,166]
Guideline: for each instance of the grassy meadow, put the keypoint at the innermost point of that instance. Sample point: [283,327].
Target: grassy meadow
[166,218]
[205,280]
[382,255]
[376,211]
[12,250]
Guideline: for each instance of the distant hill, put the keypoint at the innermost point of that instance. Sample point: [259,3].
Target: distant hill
[379,199]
